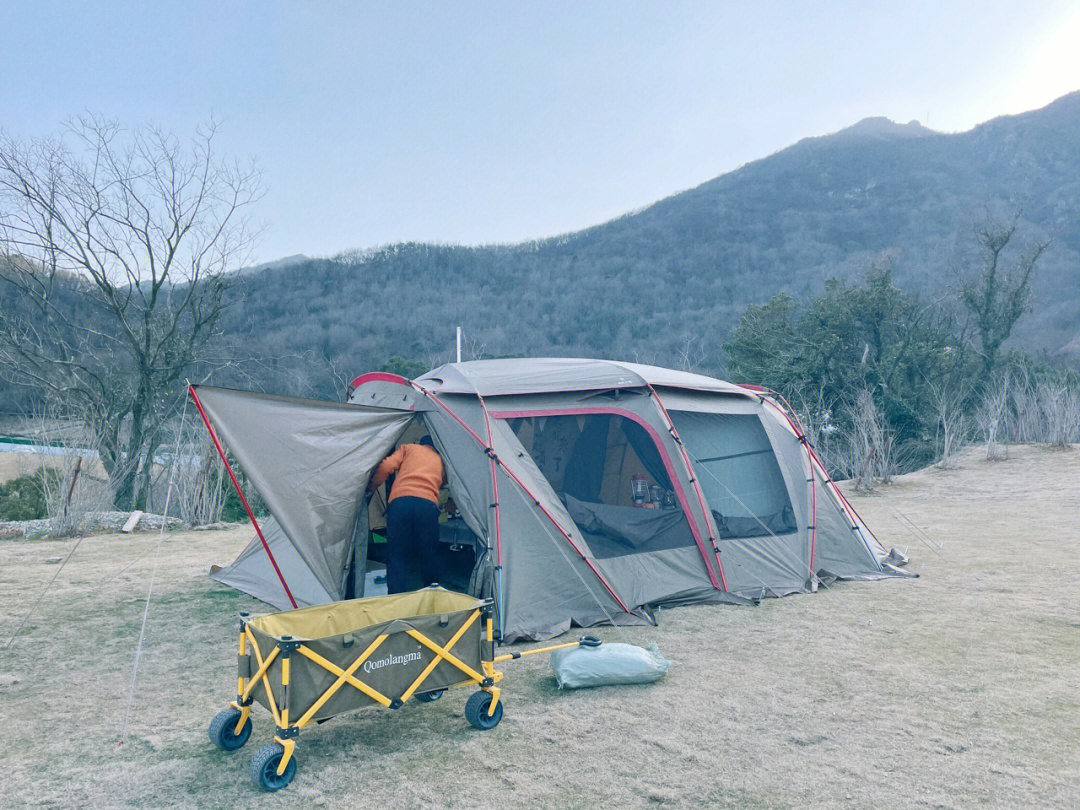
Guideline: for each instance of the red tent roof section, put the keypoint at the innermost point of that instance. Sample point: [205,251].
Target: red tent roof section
[378,376]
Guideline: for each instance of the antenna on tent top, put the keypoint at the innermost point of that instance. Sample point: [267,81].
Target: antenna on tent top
[459,344]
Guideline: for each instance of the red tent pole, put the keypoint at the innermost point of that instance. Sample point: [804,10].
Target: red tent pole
[697,487]
[491,453]
[240,492]
[800,434]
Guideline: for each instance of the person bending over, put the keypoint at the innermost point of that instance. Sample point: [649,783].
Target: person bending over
[412,513]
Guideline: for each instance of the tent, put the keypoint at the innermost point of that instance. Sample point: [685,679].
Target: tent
[589,491]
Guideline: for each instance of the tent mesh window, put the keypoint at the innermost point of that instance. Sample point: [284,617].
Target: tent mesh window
[738,472]
[591,461]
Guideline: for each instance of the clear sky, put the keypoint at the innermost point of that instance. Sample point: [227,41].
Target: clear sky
[475,122]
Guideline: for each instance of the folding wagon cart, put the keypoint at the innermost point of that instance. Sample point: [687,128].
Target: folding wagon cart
[314,663]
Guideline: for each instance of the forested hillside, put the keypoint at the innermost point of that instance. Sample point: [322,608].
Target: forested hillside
[668,283]
[640,286]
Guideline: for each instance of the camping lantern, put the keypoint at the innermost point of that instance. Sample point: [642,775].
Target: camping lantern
[656,494]
[639,489]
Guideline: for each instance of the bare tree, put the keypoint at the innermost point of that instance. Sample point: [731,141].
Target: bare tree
[1024,411]
[870,447]
[691,355]
[816,412]
[1000,296]
[80,492]
[339,375]
[72,482]
[644,356]
[992,418]
[199,478]
[116,250]
[472,348]
[1060,407]
[951,420]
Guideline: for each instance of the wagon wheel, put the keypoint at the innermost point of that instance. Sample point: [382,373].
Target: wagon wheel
[476,711]
[223,730]
[430,697]
[264,768]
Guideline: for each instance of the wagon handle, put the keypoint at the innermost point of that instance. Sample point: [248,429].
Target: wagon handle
[584,641]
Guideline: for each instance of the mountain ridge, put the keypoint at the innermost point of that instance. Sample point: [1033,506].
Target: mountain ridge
[644,285]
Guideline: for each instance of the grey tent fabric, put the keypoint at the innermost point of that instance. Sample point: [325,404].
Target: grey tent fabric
[845,549]
[632,527]
[671,570]
[585,465]
[310,461]
[646,451]
[749,499]
[468,472]
[558,540]
[778,563]
[502,377]
[550,583]
[252,573]
[738,472]
[548,374]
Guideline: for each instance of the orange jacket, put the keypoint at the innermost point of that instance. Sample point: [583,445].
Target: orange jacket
[419,471]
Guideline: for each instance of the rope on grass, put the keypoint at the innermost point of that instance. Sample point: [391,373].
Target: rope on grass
[917,533]
[150,587]
[44,591]
[138,654]
[112,578]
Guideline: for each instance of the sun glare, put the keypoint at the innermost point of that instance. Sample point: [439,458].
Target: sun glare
[1052,70]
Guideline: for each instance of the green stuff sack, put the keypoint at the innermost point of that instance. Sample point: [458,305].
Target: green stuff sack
[608,664]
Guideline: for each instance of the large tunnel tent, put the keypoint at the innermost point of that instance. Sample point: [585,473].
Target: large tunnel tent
[585,491]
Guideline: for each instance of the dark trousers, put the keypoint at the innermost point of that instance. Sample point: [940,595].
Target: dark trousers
[412,536]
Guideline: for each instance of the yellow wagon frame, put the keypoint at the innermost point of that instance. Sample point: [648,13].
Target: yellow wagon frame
[288,729]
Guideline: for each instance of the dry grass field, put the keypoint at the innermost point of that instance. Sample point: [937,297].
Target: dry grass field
[13,465]
[955,690]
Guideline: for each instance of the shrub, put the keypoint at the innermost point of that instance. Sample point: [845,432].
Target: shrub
[26,497]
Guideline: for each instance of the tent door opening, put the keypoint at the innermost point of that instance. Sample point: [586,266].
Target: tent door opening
[457,555]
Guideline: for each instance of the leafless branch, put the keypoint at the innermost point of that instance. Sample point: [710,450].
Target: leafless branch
[116,252]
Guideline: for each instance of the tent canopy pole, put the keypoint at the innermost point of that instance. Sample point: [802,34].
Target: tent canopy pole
[495,506]
[240,492]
